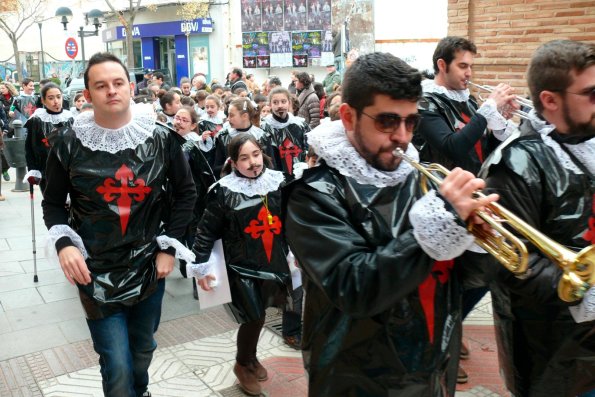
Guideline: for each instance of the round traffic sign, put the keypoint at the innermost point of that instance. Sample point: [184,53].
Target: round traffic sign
[71,47]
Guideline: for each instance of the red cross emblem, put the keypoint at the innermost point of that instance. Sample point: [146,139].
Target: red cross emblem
[45,142]
[590,233]
[264,227]
[427,291]
[127,191]
[289,151]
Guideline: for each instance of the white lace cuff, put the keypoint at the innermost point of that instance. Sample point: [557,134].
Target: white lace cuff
[489,110]
[586,310]
[56,232]
[436,229]
[33,173]
[503,135]
[182,252]
[298,170]
[199,270]
[206,145]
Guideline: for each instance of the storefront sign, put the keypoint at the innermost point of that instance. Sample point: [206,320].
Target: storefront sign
[170,28]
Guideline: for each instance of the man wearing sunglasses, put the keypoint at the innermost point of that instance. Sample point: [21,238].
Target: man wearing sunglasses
[545,174]
[382,314]
[454,132]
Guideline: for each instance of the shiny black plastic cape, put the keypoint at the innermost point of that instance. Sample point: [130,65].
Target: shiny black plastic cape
[119,229]
[37,145]
[368,287]
[289,146]
[257,279]
[542,351]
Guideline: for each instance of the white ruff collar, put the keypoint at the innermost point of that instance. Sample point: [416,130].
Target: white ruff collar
[215,120]
[44,116]
[270,120]
[584,151]
[97,138]
[330,142]
[268,182]
[254,130]
[430,86]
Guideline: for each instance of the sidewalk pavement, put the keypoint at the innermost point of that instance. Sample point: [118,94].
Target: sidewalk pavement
[45,346]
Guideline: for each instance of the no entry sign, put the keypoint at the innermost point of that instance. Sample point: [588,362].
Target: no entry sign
[71,47]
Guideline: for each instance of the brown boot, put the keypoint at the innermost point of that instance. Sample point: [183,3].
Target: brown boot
[464,351]
[260,371]
[247,380]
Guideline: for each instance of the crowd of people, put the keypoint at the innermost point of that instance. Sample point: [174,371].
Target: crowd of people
[323,180]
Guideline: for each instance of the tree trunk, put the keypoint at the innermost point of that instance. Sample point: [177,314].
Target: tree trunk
[17,57]
[129,47]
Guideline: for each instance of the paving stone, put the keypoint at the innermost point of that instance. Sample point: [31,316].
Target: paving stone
[75,330]
[33,316]
[20,298]
[20,281]
[10,268]
[17,343]
[58,292]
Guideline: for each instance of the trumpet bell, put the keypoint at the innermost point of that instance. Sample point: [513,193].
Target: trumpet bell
[578,276]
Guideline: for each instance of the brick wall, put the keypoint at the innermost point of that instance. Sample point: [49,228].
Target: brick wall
[507,32]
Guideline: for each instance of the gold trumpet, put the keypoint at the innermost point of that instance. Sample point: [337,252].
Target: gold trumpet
[527,103]
[578,268]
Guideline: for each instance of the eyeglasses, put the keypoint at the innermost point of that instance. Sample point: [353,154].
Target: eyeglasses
[390,122]
[588,93]
[182,120]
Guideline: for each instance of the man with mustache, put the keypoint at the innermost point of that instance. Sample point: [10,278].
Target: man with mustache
[455,132]
[382,313]
[545,175]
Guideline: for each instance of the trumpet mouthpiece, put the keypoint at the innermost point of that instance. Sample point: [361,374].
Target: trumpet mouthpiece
[398,152]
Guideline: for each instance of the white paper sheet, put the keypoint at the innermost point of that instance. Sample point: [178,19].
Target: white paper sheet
[220,294]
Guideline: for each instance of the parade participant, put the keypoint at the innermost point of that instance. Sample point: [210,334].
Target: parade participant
[288,132]
[185,86]
[186,127]
[79,101]
[24,104]
[241,112]
[244,210]
[114,244]
[454,132]
[209,126]
[382,314]
[39,127]
[545,175]
[170,104]
[200,98]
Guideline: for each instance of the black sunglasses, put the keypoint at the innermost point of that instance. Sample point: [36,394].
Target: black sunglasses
[390,122]
[589,93]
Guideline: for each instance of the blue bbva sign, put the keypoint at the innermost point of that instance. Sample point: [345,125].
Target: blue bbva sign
[171,28]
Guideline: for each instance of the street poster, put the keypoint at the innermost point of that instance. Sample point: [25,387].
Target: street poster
[280,49]
[307,43]
[296,13]
[251,16]
[272,15]
[319,15]
[255,47]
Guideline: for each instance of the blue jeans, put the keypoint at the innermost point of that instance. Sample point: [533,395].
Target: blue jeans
[125,344]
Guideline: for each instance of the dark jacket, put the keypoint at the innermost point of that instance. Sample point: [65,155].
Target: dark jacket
[382,318]
[309,107]
[542,351]
[118,229]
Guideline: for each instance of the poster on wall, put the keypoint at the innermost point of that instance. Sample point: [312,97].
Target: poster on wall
[263,61]
[249,62]
[296,13]
[272,18]
[280,49]
[251,16]
[327,57]
[200,60]
[255,43]
[319,15]
[300,61]
[307,43]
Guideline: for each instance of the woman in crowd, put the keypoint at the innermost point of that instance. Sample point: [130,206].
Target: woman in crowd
[209,126]
[79,101]
[309,103]
[170,104]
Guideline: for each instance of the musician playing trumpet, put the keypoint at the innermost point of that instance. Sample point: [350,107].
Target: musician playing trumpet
[545,174]
[455,132]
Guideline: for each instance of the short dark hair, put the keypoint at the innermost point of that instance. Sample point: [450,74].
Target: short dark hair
[166,97]
[259,98]
[158,75]
[448,47]
[379,73]
[304,78]
[102,57]
[44,81]
[552,64]
[26,81]
[319,89]
[238,71]
[47,87]
[275,80]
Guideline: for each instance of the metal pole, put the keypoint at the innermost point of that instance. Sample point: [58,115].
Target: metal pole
[42,74]
[82,36]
